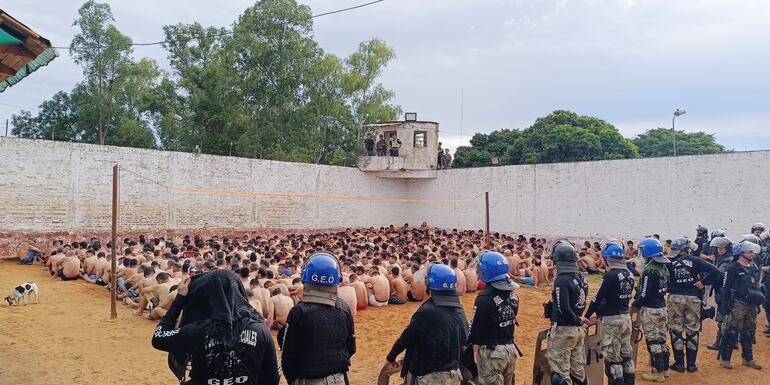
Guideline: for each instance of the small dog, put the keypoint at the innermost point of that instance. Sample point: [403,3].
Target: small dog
[21,294]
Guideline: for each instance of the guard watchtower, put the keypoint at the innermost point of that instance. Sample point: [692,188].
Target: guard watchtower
[402,149]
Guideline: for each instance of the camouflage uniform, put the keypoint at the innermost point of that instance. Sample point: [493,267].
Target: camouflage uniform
[654,327]
[498,366]
[684,317]
[567,341]
[334,379]
[451,377]
[616,343]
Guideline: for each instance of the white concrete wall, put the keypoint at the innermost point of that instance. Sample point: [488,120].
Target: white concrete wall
[56,186]
[620,198]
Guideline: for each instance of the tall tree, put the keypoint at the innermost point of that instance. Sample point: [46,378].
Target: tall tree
[101,50]
[369,100]
[660,142]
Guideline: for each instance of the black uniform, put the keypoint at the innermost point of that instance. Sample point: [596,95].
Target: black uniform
[434,338]
[251,360]
[614,293]
[569,299]
[651,301]
[319,341]
[740,301]
[686,270]
[611,304]
[492,329]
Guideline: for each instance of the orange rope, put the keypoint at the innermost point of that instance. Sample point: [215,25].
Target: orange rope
[324,197]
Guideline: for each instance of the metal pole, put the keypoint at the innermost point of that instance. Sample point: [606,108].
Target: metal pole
[113,285]
[486,233]
[6,127]
[673,131]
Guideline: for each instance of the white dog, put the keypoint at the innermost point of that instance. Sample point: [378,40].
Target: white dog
[21,293]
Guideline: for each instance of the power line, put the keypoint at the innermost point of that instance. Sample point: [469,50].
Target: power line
[226,33]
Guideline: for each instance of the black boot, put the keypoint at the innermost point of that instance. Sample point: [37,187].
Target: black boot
[608,368]
[729,340]
[747,347]
[691,356]
[715,345]
[629,378]
[678,365]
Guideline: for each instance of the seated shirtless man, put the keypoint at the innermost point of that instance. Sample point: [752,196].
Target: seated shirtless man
[588,264]
[146,279]
[347,293]
[280,305]
[379,289]
[362,301]
[68,268]
[398,288]
[540,274]
[417,290]
[151,296]
[471,277]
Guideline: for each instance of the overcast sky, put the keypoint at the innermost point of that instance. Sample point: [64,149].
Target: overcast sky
[628,62]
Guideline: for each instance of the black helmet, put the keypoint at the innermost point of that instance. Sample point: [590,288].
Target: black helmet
[702,230]
[758,227]
[755,297]
[717,233]
[563,252]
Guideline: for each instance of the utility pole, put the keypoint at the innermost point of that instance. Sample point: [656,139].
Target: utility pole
[113,267]
[6,127]
[486,232]
[678,112]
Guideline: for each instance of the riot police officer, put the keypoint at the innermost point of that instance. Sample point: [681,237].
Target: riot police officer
[722,251]
[701,240]
[494,319]
[566,338]
[742,298]
[611,304]
[319,337]
[650,299]
[687,280]
[436,334]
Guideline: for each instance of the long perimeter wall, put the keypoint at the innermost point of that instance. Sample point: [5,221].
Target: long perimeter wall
[50,187]
[620,198]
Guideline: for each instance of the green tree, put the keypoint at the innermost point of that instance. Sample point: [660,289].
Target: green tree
[659,142]
[369,101]
[562,136]
[56,120]
[467,156]
[25,125]
[101,50]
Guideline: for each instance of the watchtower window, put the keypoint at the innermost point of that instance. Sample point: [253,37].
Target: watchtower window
[421,139]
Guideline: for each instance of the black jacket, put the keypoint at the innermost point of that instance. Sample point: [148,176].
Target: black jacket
[258,363]
[494,317]
[686,270]
[319,341]
[615,291]
[739,279]
[652,290]
[569,299]
[434,338]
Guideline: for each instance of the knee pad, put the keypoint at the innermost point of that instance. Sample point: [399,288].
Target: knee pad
[677,341]
[655,346]
[730,336]
[575,381]
[628,365]
[692,341]
[557,380]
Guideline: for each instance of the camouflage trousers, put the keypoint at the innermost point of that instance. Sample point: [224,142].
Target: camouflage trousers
[334,379]
[616,344]
[743,318]
[451,377]
[566,352]
[684,317]
[654,326]
[498,366]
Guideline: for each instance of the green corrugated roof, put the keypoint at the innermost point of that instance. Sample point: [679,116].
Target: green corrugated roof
[43,59]
[6,38]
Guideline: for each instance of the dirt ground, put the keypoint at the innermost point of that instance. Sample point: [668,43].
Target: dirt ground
[69,339]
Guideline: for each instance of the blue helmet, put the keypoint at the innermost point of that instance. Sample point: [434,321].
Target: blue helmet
[441,277]
[492,266]
[613,250]
[322,268]
[651,248]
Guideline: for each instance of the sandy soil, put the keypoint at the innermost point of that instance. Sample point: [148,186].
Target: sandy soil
[69,339]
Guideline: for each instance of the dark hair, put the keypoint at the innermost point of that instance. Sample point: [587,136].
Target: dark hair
[244,272]
[162,276]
